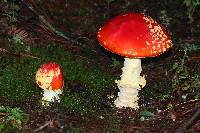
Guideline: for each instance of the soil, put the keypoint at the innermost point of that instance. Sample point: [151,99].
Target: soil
[80,20]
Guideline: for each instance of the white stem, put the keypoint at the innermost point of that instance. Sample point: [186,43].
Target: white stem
[50,96]
[129,85]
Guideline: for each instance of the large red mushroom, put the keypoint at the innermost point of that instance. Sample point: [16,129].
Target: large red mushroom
[134,36]
[49,77]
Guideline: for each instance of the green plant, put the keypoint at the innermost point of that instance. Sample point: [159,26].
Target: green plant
[124,8]
[165,19]
[12,12]
[183,79]
[181,71]
[159,91]
[164,97]
[170,107]
[191,7]
[145,115]
[109,2]
[115,62]
[16,44]
[12,119]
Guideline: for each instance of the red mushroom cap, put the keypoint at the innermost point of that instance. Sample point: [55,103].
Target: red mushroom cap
[134,35]
[50,76]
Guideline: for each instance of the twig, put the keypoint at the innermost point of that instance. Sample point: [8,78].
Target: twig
[52,28]
[189,123]
[20,54]
[183,103]
[43,126]
[28,55]
[3,114]
[3,50]
[195,58]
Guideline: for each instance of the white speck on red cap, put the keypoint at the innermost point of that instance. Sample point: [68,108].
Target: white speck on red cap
[134,35]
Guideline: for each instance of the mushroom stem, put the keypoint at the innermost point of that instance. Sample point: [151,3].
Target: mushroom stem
[129,85]
[50,96]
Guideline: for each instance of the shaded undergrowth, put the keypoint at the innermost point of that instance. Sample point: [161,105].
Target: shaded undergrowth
[89,90]
[85,84]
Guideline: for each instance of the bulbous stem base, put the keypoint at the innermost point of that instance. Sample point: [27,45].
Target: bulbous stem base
[49,96]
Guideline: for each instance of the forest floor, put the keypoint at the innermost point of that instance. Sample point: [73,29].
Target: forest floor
[35,32]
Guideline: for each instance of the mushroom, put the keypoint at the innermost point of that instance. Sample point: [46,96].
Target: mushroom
[134,36]
[49,77]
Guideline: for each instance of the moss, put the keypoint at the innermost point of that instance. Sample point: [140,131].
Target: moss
[17,78]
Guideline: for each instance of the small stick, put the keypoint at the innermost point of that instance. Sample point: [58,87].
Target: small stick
[188,124]
[28,55]
[21,54]
[196,58]
[3,50]
[43,126]
[49,26]
[3,114]
[181,104]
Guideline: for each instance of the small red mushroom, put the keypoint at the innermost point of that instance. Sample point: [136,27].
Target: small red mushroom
[134,36]
[49,77]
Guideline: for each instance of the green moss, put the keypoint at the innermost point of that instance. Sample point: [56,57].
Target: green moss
[12,119]
[92,85]
[17,78]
